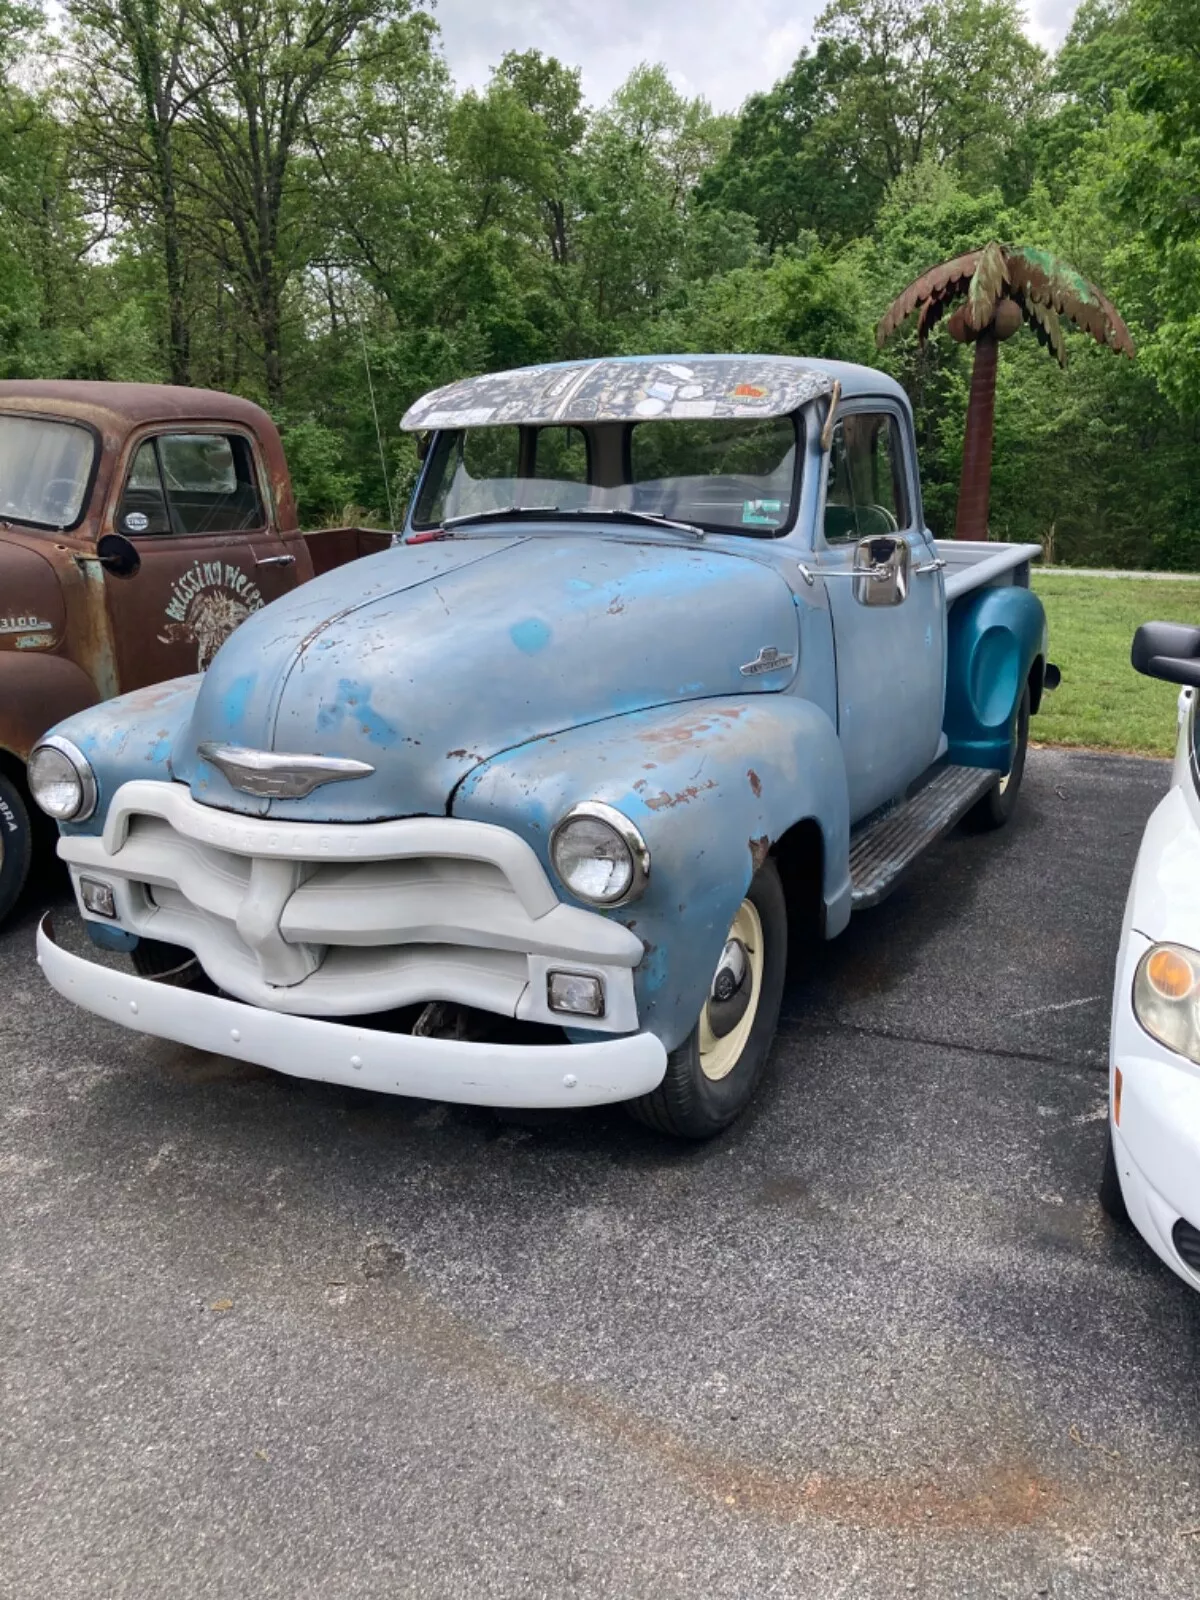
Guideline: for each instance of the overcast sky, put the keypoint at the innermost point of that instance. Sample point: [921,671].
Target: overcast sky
[722,49]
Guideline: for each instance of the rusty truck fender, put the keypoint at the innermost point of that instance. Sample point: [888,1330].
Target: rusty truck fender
[36,691]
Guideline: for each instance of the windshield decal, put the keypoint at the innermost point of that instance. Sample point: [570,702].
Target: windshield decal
[761,513]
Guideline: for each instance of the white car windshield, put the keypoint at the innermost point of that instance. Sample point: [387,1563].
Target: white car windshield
[735,475]
[45,468]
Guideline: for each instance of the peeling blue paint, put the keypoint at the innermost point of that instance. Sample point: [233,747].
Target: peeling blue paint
[235,700]
[353,701]
[530,636]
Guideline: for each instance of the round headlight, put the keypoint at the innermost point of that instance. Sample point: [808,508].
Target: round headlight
[599,855]
[61,781]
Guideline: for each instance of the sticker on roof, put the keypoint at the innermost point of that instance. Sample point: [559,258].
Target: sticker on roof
[622,390]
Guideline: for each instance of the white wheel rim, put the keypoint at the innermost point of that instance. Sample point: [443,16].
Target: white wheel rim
[719,1056]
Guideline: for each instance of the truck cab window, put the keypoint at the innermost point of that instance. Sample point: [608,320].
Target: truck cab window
[865,489]
[192,483]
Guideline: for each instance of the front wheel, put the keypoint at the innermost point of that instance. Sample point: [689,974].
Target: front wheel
[16,844]
[999,803]
[711,1076]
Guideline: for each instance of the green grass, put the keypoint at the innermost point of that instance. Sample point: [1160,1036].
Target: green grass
[1102,702]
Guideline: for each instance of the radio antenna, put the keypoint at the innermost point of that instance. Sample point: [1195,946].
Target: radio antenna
[387,482]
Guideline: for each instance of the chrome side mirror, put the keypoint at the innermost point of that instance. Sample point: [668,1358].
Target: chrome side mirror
[881,571]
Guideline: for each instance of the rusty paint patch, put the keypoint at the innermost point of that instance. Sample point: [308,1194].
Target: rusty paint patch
[755,782]
[760,849]
[661,802]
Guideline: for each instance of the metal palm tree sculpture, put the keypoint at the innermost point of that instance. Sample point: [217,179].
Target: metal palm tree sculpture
[1000,288]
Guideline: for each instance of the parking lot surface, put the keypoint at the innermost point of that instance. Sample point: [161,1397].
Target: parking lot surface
[261,1337]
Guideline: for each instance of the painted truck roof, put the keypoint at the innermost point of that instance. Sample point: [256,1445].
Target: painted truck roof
[634,388]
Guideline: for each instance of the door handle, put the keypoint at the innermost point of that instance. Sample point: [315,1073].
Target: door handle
[276,561]
[930,566]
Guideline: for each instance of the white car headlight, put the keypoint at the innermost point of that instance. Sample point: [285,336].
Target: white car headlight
[61,781]
[1166,997]
[599,854]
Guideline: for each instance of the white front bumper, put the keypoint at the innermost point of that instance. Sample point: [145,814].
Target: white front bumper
[332,1052]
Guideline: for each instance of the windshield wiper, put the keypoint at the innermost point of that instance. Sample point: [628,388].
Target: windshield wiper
[499,514]
[627,514]
[616,513]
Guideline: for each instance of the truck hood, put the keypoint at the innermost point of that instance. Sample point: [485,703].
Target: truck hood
[425,661]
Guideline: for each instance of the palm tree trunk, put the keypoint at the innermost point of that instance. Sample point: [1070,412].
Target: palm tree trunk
[975,484]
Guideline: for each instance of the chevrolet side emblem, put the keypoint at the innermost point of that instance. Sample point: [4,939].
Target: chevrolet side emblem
[768,659]
[273,776]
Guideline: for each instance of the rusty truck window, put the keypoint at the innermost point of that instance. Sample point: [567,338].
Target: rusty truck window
[191,483]
[45,471]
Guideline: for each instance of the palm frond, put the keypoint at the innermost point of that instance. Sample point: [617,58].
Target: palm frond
[987,285]
[1042,279]
[940,285]
[1046,328]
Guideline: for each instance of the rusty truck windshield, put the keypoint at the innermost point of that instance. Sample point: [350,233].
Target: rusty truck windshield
[721,475]
[45,469]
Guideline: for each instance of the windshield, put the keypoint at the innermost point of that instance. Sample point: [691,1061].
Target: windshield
[736,475]
[44,470]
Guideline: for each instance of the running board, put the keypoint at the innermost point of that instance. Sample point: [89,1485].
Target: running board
[885,849]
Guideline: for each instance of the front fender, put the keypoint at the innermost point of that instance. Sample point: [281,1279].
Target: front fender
[712,786]
[994,638]
[36,691]
[129,737]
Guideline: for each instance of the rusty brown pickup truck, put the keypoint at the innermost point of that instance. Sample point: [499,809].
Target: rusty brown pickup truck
[139,524]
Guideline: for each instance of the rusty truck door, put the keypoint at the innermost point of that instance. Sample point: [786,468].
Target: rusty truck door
[192,505]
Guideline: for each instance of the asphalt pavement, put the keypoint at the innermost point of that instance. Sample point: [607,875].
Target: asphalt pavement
[265,1338]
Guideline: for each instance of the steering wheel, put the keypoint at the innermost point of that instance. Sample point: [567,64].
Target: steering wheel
[66,490]
[886,517]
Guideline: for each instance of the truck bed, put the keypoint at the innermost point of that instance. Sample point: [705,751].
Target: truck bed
[334,547]
[975,564]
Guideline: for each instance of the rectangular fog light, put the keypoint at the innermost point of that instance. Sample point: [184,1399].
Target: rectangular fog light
[575,994]
[97,897]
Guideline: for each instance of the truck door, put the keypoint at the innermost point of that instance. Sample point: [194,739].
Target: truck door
[192,506]
[890,659]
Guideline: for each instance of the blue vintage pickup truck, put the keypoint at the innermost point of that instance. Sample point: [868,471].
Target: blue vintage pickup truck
[665,670]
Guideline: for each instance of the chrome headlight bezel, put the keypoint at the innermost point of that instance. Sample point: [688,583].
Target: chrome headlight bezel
[628,836]
[1172,1019]
[84,775]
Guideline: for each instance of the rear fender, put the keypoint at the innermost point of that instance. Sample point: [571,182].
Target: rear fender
[712,786]
[995,638]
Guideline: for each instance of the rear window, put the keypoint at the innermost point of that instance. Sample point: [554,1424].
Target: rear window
[735,475]
[45,470]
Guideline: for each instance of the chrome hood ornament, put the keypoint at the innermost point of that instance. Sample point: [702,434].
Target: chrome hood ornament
[276,776]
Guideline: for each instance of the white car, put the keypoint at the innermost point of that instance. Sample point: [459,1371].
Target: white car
[1152,1153]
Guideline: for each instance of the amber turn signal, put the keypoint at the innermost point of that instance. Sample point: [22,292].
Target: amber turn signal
[1170,974]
